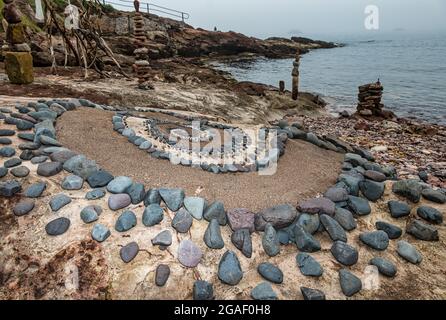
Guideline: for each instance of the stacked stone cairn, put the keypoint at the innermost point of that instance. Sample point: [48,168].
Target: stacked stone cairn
[17,53]
[295,77]
[142,65]
[370,99]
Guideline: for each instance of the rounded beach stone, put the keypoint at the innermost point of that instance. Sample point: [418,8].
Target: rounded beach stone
[91,213]
[409,252]
[10,188]
[20,172]
[280,216]
[317,206]
[372,190]
[152,197]
[242,241]
[72,182]
[189,254]
[119,184]
[392,231]
[58,226]
[333,228]
[422,231]
[312,294]
[3,172]
[6,132]
[119,201]
[308,265]
[430,214]
[344,253]
[305,241]
[126,221]
[309,222]
[216,211]
[398,209]
[59,201]
[434,195]
[48,169]
[173,198]
[5,141]
[195,206]
[410,189]
[263,291]
[63,156]
[136,192]
[23,207]
[129,252]
[359,206]
[375,176]
[182,221]
[270,241]
[35,190]
[39,159]
[336,194]
[270,272]
[229,269]
[164,238]
[95,194]
[100,232]
[350,284]
[14,162]
[99,179]
[212,236]
[153,214]
[384,266]
[203,290]
[7,152]
[162,274]
[378,240]
[345,218]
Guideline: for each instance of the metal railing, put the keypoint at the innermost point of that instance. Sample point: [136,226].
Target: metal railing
[149,7]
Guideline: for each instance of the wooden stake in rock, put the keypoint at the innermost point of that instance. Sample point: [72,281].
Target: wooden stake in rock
[295,76]
[281,86]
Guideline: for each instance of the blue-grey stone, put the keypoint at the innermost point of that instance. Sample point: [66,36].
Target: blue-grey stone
[398,209]
[35,190]
[351,182]
[100,232]
[270,272]
[212,236]
[263,291]
[72,182]
[308,266]
[359,206]
[430,214]
[129,252]
[39,159]
[344,253]
[20,172]
[350,284]
[23,125]
[229,269]
[410,189]
[195,206]
[6,132]
[126,221]
[305,241]
[59,201]
[58,226]
[372,190]
[95,194]
[216,211]
[284,237]
[3,172]
[422,231]
[26,155]
[23,207]
[13,162]
[164,238]
[309,222]
[152,197]
[119,184]
[26,136]
[241,239]
[182,221]
[99,179]
[136,192]
[392,231]
[384,266]
[80,166]
[43,115]
[5,141]
[29,146]
[312,294]
[345,218]
[153,214]
[91,213]
[7,152]
[63,156]
[378,240]
[434,195]
[173,198]
[270,241]
[145,145]
[336,194]
[409,252]
[48,141]
[128,133]
[48,169]
[203,290]
[333,228]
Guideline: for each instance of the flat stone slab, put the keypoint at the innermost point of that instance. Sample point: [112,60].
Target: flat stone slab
[59,201]
[195,206]
[48,169]
[241,219]
[189,254]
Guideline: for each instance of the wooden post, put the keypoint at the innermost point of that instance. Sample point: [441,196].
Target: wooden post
[295,77]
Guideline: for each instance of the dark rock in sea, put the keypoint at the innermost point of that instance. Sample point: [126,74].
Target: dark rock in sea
[189,254]
[152,197]
[317,206]
[59,201]
[203,290]
[20,172]
[229,269]
[270,272]
[35,190]
[195,206]
[136,192]
[270,241]
[119,184]
[58,226]
[129,252]
[350,284]
[162,274]
[164,238]
[410,189]
[279,216]
[99,179]
[49,169]
[359,206]
[434,195]
[372,190]
[309,222]
[308,265]
[242,241]
[23,207]
[409,252]
[392,231]
[384,266]
[100,233]
[125,222]
[10,188]
[119,201]
[90,214]
[153,214]
[173,198]
[378,240]
[333,228]
[430,214]
[345,218]
[216,211]
[375,176]
[305,241]
[241,219]
[13,162]
[95,194]
[344,253]
[398,209]
[182,221]
[263,291]
[312,294]
[7,152]
[422,231]
[336,194]
[212,236]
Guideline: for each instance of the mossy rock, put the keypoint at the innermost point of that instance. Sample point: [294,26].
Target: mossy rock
[19,67]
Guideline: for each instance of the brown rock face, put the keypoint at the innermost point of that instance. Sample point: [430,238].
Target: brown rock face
[15,34]
[19,67]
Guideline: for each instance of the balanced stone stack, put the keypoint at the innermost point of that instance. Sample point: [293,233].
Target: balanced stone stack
[142,65]
[18,58]
[295,77]
[370,99]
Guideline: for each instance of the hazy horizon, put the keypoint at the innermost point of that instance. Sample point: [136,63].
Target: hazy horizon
[285,18]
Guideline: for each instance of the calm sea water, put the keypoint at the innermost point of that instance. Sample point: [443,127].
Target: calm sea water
[411,68]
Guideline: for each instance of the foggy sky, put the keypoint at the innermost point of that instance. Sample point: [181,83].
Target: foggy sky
[264,18]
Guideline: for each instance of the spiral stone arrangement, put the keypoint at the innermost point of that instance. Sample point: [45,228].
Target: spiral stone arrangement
[338,213]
